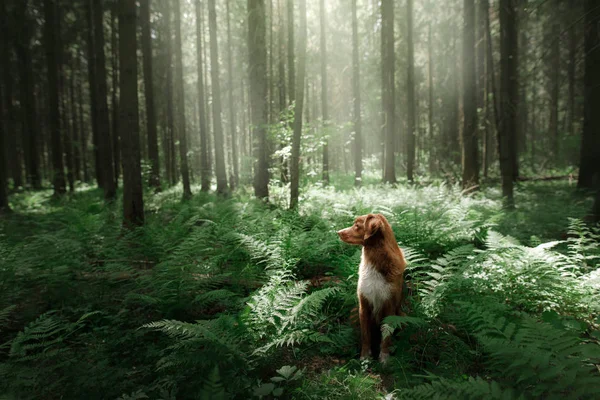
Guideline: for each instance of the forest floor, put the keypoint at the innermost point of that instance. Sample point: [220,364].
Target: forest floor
[233,298]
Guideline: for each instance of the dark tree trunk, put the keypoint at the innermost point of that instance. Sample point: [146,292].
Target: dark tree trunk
[290,52]
[204,149]
[105,158]
[298,109]
[281,83]
[114,42]
[133,199]
[509,96]
[470,156]
[169,145]
[596,208]
[387,89]
[324,92]
[590,140]
[232,115]
[154,179]
[93,84]
[84,136]
[572,43]
[181,124]
[4,119]
[411,128]
[75,126]
[66,127]
[356,102]
[482,84]
[554,83]
[216,94]
[9,118]
[29,120]
[258,89]
[52,50]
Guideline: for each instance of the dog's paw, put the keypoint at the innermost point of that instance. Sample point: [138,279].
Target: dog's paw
[384,357]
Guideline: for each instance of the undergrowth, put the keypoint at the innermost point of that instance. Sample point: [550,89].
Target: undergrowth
[217,298]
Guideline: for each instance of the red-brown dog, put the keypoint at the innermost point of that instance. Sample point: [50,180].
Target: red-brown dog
[380,277]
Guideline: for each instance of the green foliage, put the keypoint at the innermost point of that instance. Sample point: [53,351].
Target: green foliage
[217,298]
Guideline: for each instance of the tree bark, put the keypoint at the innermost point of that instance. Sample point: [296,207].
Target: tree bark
[93,85]
[258,89]
[232,114]
[31,137]
[105,158]
[75,127]
[356,101]
[153,157]
[114,40]
[554,82]
[298,109]
[411,128]
[204,159]
[388,85]
[324,92]
[470,146]
[133,199]
[169,145]
[572,43]
[84,137]
[290,53]
[181,123]
[216,94]
[509,96]
[4,122]
[50,39]
[590,140]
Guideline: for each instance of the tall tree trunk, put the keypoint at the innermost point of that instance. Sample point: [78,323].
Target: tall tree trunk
[31,137]
[297,136]
[258,89]
[356,102]
[470,147]
[481,83]
[52,50]
[232,116]
[281,83]
[84,138]
[105,158]
[509,95]
[66,127]
[324,92]
[204,159]
[153,157]
[169,145]
[388,84]
[4,119]
[116,152]
[554,81]
[181,125]
[290,53]
[9,117]
[93,84]
[133,199]
[572,43]
[432,143]
[411,128]
[75,128]
[590,140]
[216,94]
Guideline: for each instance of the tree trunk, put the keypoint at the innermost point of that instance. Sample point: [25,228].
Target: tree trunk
[9,117]
[297,136]
[356,101]
[258,89]
[4,122]
[324,92]
[432,143]
[509,96]
[105,158]
[572,43]
[216,94]
[290,53]
[181,123]
[470,156]
[387,89]
[115,102]
[84,138]
[232,116]
[281,83]
[93,84]
[66,127]
[52,50]
[554,82]
[75,127]
[205,164]
[169,145]
[153,157]
[596,208]
[411,128]
[133,199]
[31,137]
[590,140]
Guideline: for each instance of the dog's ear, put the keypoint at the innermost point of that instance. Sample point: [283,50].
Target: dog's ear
[373,224]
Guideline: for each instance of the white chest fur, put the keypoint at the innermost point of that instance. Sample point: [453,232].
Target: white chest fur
[373,286]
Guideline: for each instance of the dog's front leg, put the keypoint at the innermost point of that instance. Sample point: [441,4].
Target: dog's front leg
[384,353]
[364,312]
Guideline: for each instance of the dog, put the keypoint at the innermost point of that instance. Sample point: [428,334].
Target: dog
[380,281]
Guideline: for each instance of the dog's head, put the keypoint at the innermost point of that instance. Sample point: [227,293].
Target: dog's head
[367,230]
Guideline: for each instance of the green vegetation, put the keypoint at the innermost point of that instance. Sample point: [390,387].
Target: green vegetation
[238,299]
